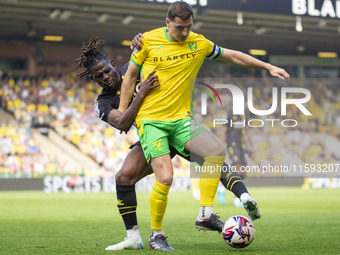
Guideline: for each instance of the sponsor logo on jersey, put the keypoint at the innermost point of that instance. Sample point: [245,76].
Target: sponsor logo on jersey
[134,51]
[96,109]
[175,57]
[159,47]
[136,89]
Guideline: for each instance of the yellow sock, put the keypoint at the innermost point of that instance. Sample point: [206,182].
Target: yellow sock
[158,202]
[209,179]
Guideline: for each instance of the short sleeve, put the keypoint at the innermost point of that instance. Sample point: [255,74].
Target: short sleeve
[138,56]
[103,106]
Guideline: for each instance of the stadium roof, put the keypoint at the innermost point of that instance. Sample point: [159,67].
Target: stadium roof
[114,21]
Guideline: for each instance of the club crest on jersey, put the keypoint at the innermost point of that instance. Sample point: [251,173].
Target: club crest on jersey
[192,46]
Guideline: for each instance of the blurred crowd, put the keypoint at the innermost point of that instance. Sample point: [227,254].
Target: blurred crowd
[20,155]
[66,105]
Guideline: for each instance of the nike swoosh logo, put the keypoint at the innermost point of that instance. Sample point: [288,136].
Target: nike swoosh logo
[164,200]
[159,47]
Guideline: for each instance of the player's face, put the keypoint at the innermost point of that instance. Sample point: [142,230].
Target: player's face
[105,74]
[179,29]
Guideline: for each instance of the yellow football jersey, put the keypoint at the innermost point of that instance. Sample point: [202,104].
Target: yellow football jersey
[177,63]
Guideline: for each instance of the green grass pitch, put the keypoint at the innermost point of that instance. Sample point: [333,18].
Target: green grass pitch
[294,221]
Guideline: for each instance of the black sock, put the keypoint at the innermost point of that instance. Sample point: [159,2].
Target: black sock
[233,182]
[127,204]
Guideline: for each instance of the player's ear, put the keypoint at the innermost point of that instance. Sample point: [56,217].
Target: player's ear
[167,21]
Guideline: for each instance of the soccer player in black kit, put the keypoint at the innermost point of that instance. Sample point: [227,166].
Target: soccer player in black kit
[236,147]
[235,140]
[104,73]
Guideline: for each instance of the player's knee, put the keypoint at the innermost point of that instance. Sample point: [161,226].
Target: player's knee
[243,175]
[165,179]
[123,179]
[220,151]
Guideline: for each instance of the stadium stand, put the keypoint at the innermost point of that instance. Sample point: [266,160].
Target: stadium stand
[61,108]
[29,147]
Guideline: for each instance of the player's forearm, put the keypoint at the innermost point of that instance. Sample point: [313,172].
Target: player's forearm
[244,60]
[241,59]
[128,117]
[121,121]
[126,92]
[124,121]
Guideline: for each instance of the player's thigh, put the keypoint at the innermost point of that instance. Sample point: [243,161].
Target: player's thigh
[134,167]
[203,143]
[162,166]
[192,157]
[206,144]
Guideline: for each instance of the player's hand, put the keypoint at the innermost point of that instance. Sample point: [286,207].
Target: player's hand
[279,73]
[149,84]
[137,42]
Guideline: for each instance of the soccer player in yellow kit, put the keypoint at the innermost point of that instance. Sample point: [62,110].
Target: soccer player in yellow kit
[164,118]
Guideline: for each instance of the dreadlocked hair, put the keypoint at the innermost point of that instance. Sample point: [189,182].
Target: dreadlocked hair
[90,56]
